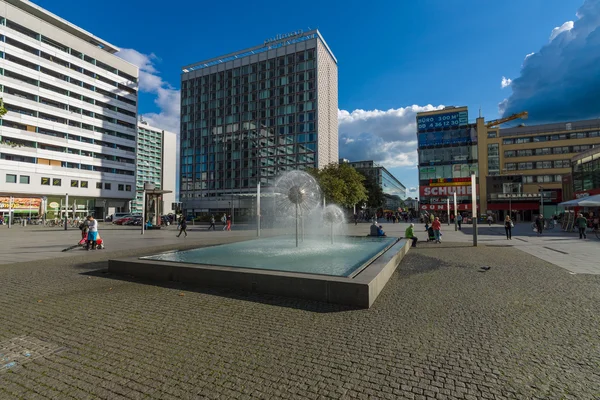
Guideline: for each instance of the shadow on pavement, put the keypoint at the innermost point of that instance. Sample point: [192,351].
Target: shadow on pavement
[100,270]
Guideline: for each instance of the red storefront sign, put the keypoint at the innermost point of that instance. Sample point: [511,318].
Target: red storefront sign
[443,207]
[591,192]
[446,190]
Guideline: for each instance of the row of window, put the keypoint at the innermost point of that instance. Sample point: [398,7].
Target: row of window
[69,150]
[546,138]
[69,79]
[64,164]
[46,181]
[547,150]
[542,178]
[537,165]
[67,93]
[45,39]
[586,176]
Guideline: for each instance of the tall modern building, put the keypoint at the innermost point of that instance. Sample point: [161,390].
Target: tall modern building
[250,115]
[156,164]
[70,128]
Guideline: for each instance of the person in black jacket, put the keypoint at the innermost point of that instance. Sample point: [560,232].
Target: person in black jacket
[182,227]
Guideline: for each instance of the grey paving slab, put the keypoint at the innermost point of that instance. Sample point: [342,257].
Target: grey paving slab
[442,328]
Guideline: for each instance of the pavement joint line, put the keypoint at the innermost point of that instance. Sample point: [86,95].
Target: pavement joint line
[558,251]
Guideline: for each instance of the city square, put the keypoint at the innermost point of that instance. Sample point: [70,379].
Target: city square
[399,202]
[442,327]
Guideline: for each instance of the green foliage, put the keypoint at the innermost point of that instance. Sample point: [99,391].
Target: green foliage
[341,184]
[3,110]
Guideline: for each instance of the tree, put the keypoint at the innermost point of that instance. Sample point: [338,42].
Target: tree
[341,184]
[3,110]
[375,196]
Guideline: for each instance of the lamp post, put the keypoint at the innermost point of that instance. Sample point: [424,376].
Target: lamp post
[541,190]
[448,208]
[455,213]
[258,210]
[474,206]
[143,209]
[66,210]
[10,201]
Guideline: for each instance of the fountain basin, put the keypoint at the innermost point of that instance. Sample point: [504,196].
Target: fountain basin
[352,271]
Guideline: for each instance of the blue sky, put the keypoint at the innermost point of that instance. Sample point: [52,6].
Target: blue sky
[395,57]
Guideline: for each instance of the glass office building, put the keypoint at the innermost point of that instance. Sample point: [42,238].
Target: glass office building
[248,116]
[393,189]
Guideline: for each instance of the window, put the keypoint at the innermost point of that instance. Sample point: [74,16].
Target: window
[510,166]
[492,134]
[56,182]
[84,184]
[24,179]
[128,188]
[121,187]
[10,178]
[98,185]
[508,141]
[107,186]
[74,183]
[46,181]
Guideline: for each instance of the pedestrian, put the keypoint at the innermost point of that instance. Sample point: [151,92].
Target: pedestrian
[182,227]
[212,223]
[410,234]
[437,230]
[490,219]
[508,225]
[83,227]
[581,223]
[228,220]
[539,224]
[224,221]
[92,236]
[355,219]
[459,219]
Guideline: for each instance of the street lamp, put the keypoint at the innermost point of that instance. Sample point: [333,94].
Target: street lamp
[541,190]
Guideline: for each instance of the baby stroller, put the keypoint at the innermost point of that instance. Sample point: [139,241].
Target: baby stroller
[99,242]
[430,234]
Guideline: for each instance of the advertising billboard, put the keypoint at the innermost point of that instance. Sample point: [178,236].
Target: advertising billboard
[20,203]
[453,119]
[452,136]
[426,191]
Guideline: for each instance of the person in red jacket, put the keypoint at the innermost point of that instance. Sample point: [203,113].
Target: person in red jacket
[437,227]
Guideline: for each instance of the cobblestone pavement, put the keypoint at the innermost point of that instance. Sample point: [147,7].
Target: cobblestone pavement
[441,329]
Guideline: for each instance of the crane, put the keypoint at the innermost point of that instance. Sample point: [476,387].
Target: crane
[500,121]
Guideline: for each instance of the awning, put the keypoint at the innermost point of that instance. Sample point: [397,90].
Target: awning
[590,201]
[571,203]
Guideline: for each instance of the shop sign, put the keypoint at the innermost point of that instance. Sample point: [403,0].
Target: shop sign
[446,190]
[20,203]
[443,207]
[53,205]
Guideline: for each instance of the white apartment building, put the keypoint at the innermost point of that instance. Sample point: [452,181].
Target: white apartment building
[70,126]
[156,164]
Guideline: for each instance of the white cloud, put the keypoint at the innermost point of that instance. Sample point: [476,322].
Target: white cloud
[566,27]
[505,82]
[387,137]
[167,97]
[413,189]
[529,55]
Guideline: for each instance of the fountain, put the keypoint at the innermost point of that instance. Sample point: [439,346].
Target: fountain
[297,191]
[327,265]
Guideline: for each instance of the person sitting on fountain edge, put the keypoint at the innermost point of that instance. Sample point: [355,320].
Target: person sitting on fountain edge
[410,234]
[380,231]
[373,230]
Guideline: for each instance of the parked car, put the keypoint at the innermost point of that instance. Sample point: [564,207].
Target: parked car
[122,221]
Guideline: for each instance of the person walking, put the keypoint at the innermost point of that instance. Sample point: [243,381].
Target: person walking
[581,223]
[224,221]
[490,219]
[182,227]
[459,221]
[539,224]
[228,219]
[437,230]
[410,234]
[508,225]
[92,236]
[355,219]
[212,223]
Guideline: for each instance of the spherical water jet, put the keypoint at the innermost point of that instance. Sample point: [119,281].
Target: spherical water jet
[334,216]
[296,191]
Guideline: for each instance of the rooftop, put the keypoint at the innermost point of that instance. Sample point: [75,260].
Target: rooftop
[269,44]
[554,127]
[57,21]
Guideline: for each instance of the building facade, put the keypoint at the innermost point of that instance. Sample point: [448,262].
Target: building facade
[70,126]
[585,175]
[393,189]
[527,165]
[156,164]
[250,115]
[448,155]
